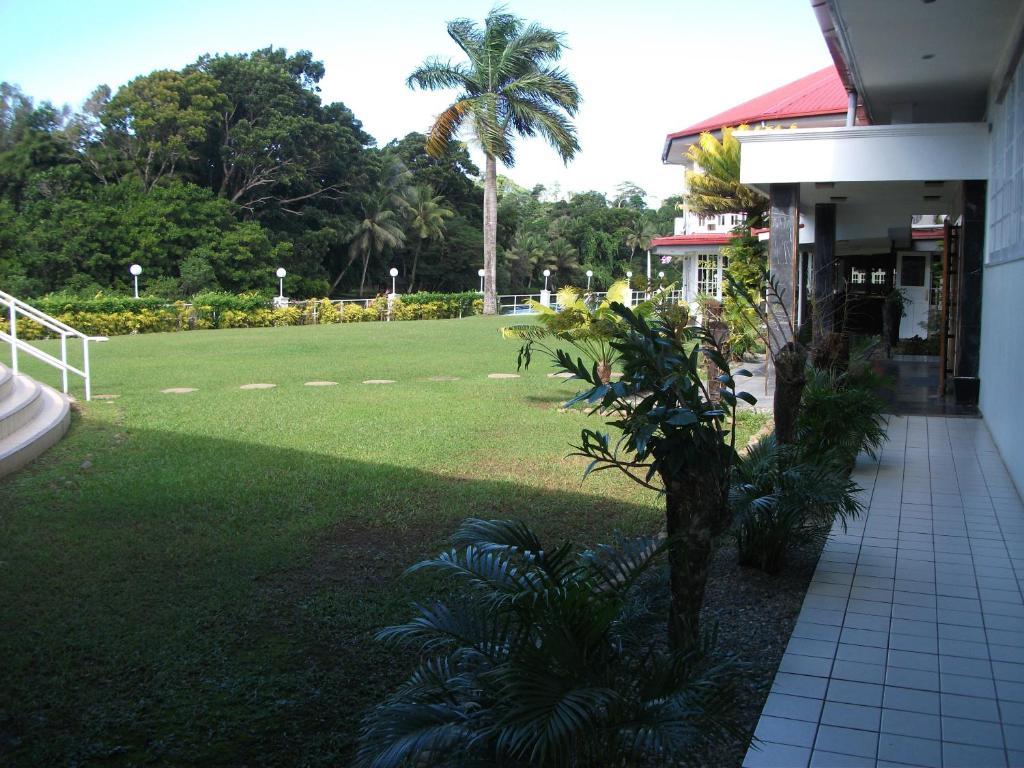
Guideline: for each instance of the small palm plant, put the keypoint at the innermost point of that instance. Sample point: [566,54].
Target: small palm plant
[543,656]
[673,437]
[587,328]
[782,498]
[841,415]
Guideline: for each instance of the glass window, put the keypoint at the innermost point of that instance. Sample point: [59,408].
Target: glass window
[912,274]
[707,275]
[878,276]
[858,276]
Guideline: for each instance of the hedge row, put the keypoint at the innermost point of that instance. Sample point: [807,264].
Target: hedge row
[116,316]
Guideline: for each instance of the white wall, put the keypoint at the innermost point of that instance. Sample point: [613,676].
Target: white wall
[1002,319]
[865,153]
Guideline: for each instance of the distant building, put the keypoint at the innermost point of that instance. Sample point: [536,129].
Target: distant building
[691,256]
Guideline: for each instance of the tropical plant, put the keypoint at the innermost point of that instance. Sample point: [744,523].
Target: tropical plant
[777,328]
[588,329]
[427,214]
[542,656]
[673,439]
[639,234]
[508,86]
[715,187]
[379,229]
[784,496]
[841,415]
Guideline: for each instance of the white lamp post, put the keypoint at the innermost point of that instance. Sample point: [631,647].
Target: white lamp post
[547,274]
[629,289]
[394,273]
[280,277]
[480,273]
[136,270]
[590,274]
[661,279]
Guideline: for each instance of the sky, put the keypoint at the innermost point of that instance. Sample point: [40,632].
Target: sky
[645,68]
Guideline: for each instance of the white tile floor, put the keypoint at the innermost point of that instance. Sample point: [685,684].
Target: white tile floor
[909,648]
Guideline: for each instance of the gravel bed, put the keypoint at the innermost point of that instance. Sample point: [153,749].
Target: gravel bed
[755,614]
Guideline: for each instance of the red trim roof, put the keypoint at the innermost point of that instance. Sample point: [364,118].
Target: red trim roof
[930,233]
[698,238]
[821,93]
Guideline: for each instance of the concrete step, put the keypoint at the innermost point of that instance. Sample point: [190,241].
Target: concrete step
[33,417]
[6,381]
[20,406]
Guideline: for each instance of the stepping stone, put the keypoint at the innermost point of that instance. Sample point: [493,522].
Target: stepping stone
[178,390]
[562,375]
[257,386]
[379,381]
[502,375]
[105,397]
[321,383]
[443,378]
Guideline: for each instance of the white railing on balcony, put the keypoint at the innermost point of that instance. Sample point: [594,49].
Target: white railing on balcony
[15,309]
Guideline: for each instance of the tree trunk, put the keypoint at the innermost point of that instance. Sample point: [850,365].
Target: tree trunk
[490,235]
[790,363]
[362,280]
[696,510]
[415,261]
[604,371]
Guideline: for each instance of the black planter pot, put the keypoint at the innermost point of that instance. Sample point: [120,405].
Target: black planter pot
[966,389]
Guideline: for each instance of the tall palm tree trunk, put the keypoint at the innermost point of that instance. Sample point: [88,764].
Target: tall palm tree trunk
[415,260]
[362,280]
[490,235]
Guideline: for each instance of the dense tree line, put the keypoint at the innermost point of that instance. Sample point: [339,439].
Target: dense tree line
[214,175]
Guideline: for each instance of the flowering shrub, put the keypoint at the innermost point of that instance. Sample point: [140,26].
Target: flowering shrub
[119,316]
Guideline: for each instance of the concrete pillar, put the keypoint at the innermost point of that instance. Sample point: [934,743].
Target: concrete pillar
[971,269]
[823,281]
[784,221]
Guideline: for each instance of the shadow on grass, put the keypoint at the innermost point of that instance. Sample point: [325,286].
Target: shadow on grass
[207,602]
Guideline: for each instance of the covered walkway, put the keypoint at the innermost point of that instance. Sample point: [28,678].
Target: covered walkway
[909,647]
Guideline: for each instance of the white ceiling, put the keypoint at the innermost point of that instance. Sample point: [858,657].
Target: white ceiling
[884,42]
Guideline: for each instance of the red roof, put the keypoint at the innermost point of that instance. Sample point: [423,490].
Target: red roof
[699,238]
[930,233]
[821,93]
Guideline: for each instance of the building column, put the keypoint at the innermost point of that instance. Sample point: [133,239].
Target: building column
[784,223]
[823,281]
[971,269]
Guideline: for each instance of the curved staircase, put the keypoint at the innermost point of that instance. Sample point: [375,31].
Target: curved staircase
[33,417]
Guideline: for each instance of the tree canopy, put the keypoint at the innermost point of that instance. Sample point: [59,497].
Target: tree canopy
[214,175]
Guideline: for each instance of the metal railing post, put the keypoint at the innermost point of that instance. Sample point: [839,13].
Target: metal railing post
[64,362]
[14,338]
[85,368]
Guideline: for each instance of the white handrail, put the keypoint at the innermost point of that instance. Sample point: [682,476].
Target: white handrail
[17,307]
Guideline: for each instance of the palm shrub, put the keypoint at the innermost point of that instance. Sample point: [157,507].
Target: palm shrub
[781,498]
[588,329]
[672,438]
[542,656]
[840,416]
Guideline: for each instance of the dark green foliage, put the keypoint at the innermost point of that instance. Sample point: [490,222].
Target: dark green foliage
[783,497]
[840,416]
[542,656]
[673,438]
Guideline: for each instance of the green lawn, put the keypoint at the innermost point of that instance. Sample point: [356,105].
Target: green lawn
[196,579]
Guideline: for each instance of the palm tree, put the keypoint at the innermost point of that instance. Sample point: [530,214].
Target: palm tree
[379,229]
[716,187]
[638,236]
[509,86]
[427,213]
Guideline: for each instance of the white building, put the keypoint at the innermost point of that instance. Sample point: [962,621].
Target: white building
[692,256]
[940,86]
